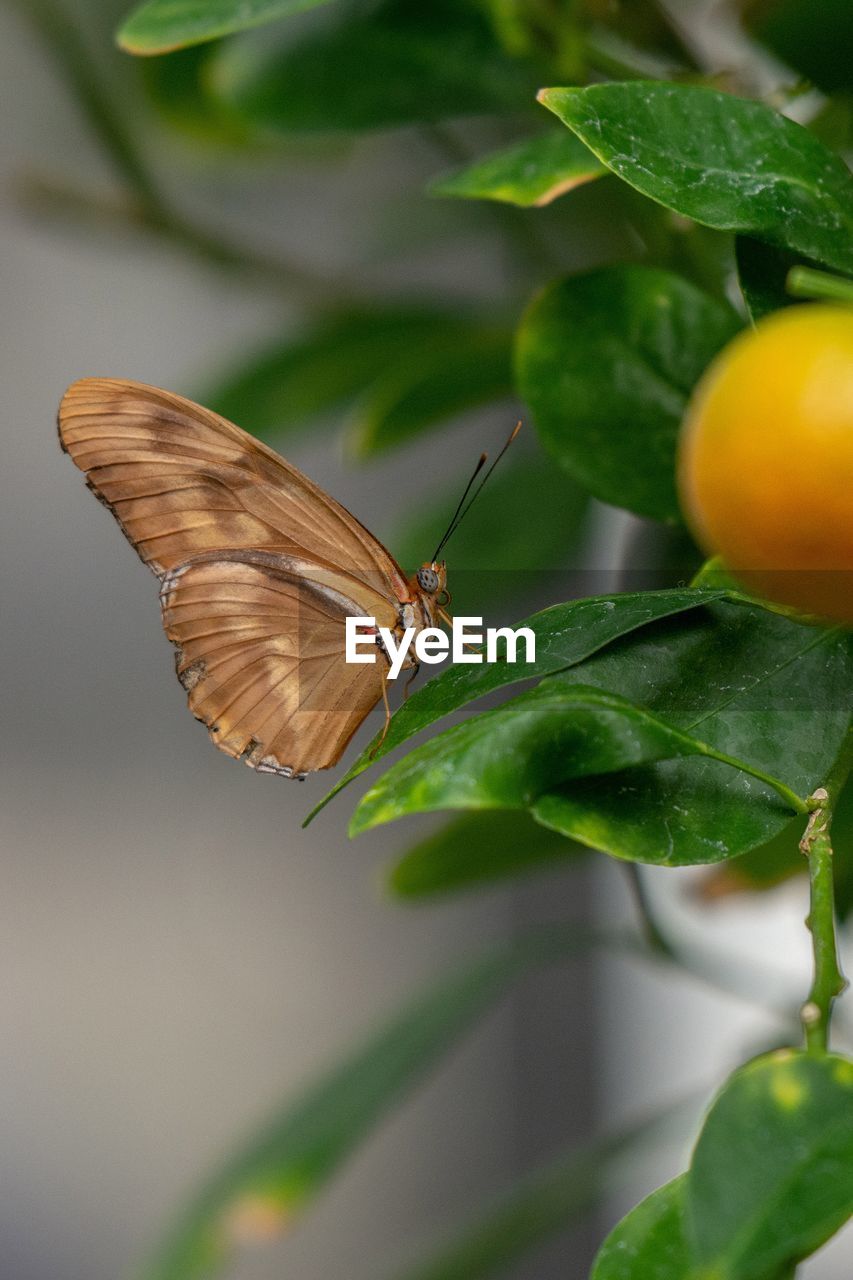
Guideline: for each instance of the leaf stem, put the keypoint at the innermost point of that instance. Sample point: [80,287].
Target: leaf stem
[816,845]
[806,282]
[654,935]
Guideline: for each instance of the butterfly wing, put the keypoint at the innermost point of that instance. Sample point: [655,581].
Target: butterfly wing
[260,651]
[182,481]
[258,566]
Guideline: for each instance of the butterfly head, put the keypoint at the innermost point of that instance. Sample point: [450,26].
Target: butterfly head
[432,577]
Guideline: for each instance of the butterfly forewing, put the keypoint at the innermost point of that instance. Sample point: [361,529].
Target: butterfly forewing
[259,569]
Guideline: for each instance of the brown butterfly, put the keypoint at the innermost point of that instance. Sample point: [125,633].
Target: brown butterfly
[258,570]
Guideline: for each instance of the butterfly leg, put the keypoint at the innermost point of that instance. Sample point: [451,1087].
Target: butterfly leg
[410,681]
[448,622]
[374,750]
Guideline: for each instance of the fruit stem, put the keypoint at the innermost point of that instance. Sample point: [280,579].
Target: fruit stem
[806,282]
[816,845]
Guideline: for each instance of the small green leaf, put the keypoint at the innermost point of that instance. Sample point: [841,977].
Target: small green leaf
[529,520]
[726,162]
[772,1174]
[331,364]
[397,64]
[565,635]
[509,757]
[607,362]
[813,36]
[529,173]
[477,849]
[275,1176]
[454,373]
[159,26]
[649,1243]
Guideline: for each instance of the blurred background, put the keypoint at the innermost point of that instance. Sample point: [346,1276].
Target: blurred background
[176,954]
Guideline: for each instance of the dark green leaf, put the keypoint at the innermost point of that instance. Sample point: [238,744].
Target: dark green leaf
[752,683]
[726,162]
[544,1203]
[332,364]
[814,37]
[455,372]
[529,519]
[294,1155]
[772,1174]
[159,26]
[762,271]
[509,757]
[529,173]
[401,63]
[477,849]
[649,1243]
[565,635]
[607,362]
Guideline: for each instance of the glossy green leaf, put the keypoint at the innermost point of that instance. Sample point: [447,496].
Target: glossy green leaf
[724,161]
[454,373]
[398,64]
[814,37]
[275,1176]
[509,757]
[330,365]
[478,849]
[752,683]
[649,1243]
[533,172]
[529,520]
[565,635]
[544,1203]
[771,1177]
[762,271]
[159,26]
[607,362]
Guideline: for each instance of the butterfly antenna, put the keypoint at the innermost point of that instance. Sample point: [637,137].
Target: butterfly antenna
[474,474]
[461,510]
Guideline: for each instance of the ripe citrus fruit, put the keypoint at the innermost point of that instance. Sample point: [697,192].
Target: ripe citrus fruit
[765,466]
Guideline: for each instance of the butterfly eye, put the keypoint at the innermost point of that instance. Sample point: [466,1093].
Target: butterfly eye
[428,580]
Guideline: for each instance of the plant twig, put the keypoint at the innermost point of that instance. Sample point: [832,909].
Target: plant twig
[148,208]
[806,282]
[654,935]
[816,845]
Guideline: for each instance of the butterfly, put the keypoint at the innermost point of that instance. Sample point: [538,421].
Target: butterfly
[258,570]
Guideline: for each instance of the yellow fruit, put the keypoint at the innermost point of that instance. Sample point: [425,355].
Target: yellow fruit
[765,466]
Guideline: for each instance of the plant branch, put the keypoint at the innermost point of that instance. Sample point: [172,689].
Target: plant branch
[806,282]
[816,845]
[654,935]
[148,209]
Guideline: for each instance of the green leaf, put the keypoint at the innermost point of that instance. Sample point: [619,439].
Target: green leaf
[762,271]
[607,362]
[530,519]
[755,685]
[332,364]
[159,26]
[509,757]
[533,172]
[726,162]
[565,635]
[813,36]
[398,64]
[771,1177]
[454,373]
[475,850]
[542,1204]
[289,1161]
[649,1243]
